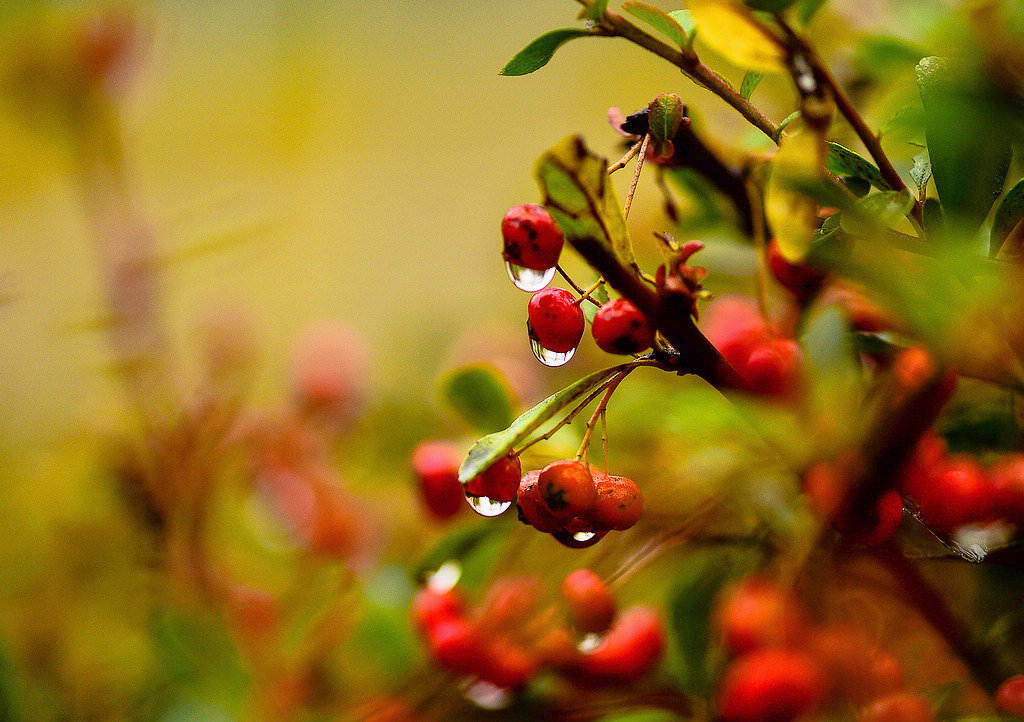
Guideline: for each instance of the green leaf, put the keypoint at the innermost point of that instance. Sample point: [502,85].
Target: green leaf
[922,170]
[594,12]
[835,378]
[659,20]
[1008,215]
[685,18]
[480,395]
[877,211]
[574,182]
[462,546]
[750,81]
[664,115]
[844,162]
[909,121]
[968,139]
[538,53]
[806,9]
[691,604]
[494,446]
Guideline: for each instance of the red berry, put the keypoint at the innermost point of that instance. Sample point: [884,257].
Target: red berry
[620,327]
[772,367]
[1007,477]
[879,527]
[758,613]
[735,326]
[619,503]
[436,466]
[857,671]
[431,607]
[530,507]
[510,601]
[508,664]
[532,238]
[566,489]
[499,481]
[771,685]
[628,651]
[591,604]
[958,494]
[801,280]
[457,645]
[898,707]
[1010,696]
[555,320]
[328,368]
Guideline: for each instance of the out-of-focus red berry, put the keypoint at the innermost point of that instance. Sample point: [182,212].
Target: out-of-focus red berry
[634,643]
[508,665]
[1010,696]
[532,237]
[510,602]
[958,493]
[798,278]
[772,368]
[430,607]
[328,370]
[771,685]
[457,644]
[591,604]
[436,466]
[855,669]
[1007,478]
[758,613]
[879,527]
[898,707]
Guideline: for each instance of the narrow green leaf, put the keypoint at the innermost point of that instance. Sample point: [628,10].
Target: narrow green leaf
[594,12]
[932,218]
[492,447]
[539,52]
[480,395]
[922,170]
[574,182]
[858,186]
[968,139]
[658,19]
[909,121]
[788,119]
[750,81]
[691,604]
[1008,215]
[843,161]
[806,9]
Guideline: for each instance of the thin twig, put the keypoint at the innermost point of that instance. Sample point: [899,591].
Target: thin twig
[609,389]
[624,160]
[636,175]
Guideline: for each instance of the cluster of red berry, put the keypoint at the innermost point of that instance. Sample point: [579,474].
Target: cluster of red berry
[506,640]
[768,364]
[576,504]
[555,319]
[783,667]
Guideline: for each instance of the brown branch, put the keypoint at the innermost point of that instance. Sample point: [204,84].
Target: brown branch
[983,665]
[615,25]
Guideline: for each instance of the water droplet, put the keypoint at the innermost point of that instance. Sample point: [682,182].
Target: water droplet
[529,279]
[570,539]
[549,357]
[445,577]
[486,695]
[485,506]
[589,643]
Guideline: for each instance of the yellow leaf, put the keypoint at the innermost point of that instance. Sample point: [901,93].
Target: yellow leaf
[733,32]
[793,215]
